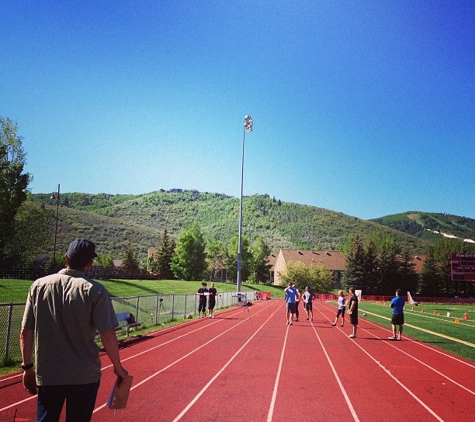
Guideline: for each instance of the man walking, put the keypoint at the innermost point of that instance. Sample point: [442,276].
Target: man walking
[308,297]
[63,312]
[353,311]
[290,300]
[397,318]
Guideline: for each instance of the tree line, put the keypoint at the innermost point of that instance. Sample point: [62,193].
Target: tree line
[192,257]
[378,265]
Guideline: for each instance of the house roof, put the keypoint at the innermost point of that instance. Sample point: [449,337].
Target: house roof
[333,260]
[271,259]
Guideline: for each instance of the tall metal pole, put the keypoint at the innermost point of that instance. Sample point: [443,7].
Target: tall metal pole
[56,225]
[247,127]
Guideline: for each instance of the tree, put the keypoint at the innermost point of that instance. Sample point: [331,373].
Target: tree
[442,252]
[13,181]
[215,259]
[361,266]
[130,261]
[408,275]
[371,268]
[104,260]
[317,277]
[260,262]
[32,232]
[164,255]
[231,258]
[389,265]
[430,275]
[189,260]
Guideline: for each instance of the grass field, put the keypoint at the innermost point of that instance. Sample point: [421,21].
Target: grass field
[429,323]
[15,291]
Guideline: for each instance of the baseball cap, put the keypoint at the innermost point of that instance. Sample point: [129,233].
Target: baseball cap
[81,250]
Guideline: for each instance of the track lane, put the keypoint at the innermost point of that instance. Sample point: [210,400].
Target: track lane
[246,364]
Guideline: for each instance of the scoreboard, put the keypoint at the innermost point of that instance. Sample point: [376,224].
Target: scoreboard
[462,267]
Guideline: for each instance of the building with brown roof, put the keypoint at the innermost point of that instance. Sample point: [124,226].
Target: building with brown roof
[333,260]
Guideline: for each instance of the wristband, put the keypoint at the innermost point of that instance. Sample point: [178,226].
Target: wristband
[26,367]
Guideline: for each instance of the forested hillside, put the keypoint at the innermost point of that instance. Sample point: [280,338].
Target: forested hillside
[116,222]
[431,226]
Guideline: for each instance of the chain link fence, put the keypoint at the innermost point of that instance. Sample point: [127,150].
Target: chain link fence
[150,310]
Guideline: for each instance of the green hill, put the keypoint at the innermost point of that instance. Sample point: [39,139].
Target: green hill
[430,226]
[116,222]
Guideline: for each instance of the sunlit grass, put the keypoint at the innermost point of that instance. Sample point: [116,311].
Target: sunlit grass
[431,324]
[15,291]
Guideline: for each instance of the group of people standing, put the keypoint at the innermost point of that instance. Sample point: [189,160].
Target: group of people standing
[352,310]
[293,296]
[292,299]
[206,297]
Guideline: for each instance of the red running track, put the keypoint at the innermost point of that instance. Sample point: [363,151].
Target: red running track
[247,364]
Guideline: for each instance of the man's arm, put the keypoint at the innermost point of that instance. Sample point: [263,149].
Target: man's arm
[26,346]
[109,340]
[351,306]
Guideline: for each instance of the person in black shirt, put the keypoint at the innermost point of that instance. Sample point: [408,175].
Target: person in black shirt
[202,293]
[353,311]
[212,300]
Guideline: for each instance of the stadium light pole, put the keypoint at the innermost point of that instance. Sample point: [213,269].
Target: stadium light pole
[55,195]
[246,128]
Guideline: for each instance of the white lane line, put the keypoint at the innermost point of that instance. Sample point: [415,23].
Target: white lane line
[17,403]
[388,372]
[203,390]
[178,360]
[277,379]
[463,387]
[123,360]
[392,344]
[433,369]
[420,343]
[335,373]
[215,321]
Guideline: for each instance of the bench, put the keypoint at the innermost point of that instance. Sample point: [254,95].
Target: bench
[126,322]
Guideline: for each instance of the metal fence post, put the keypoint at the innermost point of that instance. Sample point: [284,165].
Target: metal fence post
[8,331]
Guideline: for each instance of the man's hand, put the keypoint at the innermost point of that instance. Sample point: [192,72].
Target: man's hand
[29,381]
[121,372]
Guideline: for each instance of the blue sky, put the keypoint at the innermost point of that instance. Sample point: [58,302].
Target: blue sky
[361,107]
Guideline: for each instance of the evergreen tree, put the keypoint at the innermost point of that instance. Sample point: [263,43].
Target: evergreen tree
[164,255]
[356,263]
[372,276]
[189,260]
[430,275]
[408,276]
[389,266]
[442,252]
[130,261]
